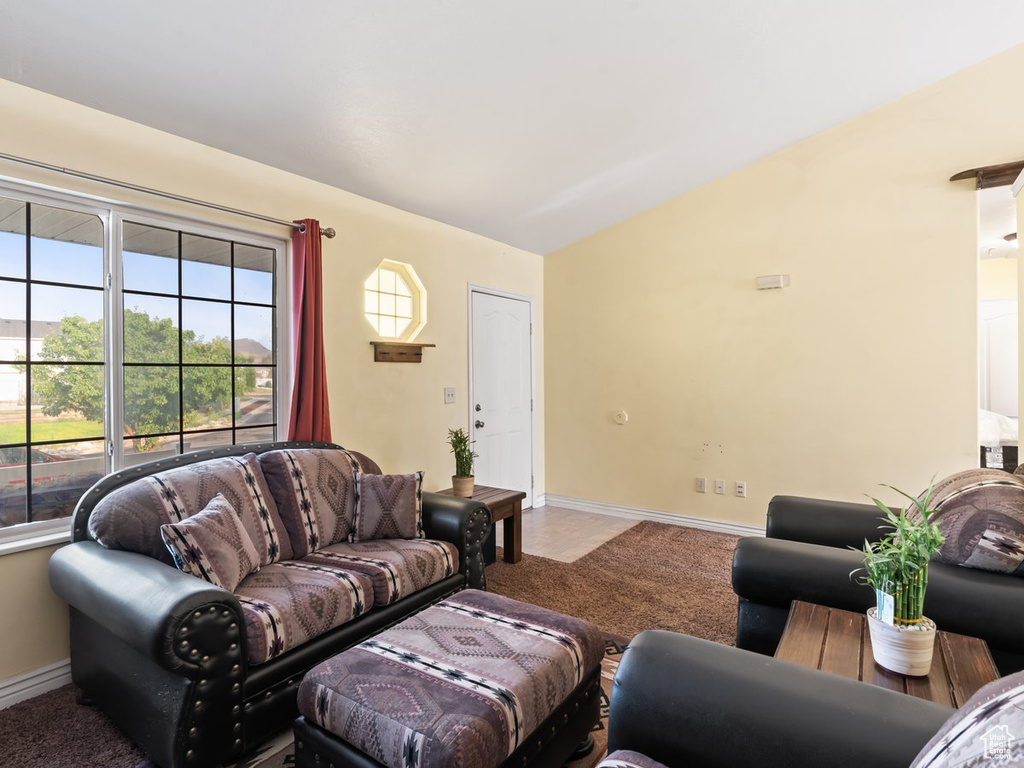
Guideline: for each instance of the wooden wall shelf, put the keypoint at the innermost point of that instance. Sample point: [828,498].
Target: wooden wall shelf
[398,351]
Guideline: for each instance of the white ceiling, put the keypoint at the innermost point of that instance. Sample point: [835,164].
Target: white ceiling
[535,122]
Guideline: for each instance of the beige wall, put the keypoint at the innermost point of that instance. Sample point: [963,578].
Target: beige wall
[997,279]
[393,412]
[862,372]
[33,620]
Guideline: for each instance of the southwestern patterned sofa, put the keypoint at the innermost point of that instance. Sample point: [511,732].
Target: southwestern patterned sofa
[301,550]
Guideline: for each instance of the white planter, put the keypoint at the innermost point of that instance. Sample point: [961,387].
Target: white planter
[904,650]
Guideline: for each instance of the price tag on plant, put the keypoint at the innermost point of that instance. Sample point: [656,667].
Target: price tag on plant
[885,606]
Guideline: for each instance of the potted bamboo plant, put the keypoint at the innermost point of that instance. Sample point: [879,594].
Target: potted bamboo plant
[902,637]
[462,447]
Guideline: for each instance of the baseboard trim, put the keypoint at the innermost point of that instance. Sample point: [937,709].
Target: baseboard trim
[636,513]
[540,501]
[30,684]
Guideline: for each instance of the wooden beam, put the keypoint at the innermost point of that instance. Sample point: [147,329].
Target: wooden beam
[992,175]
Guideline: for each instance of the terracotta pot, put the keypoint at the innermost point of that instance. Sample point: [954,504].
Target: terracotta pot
[904,650]
[462,486]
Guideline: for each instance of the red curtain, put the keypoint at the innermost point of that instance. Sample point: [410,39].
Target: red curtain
[311,416]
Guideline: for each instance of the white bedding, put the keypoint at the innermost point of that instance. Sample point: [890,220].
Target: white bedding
[995,429]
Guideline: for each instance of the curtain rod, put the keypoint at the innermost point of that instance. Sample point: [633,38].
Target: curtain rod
[327,232]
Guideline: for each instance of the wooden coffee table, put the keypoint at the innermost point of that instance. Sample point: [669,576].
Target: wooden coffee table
[504,505]
[839,642]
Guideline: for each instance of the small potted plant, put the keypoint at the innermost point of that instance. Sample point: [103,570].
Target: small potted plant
[462,480]
[902,637]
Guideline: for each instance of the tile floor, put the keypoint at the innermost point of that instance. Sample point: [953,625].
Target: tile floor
[567,534]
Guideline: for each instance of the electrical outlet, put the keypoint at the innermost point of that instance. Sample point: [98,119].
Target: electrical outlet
[741,489]
[702,485]
[449,395]
[720,486]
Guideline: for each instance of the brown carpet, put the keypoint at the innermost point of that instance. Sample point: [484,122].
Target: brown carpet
[53,731]
[653,576]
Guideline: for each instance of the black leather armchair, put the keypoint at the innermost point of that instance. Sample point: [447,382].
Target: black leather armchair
[806,555]
[162,652]
[688,702]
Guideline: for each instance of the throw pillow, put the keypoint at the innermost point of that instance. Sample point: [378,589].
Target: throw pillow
[625,758]
[981,514]
[987,730]
[315,490]
[130,517]
[388,507]
[212,545]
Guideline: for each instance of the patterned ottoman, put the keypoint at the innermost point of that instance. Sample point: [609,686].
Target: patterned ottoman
[476,681]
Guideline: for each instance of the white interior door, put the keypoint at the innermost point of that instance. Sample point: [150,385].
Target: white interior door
[501,384]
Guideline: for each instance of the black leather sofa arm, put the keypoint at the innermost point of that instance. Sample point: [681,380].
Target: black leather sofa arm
[688,702]
[463,522]
[777,571]
[818,521]
[168,616]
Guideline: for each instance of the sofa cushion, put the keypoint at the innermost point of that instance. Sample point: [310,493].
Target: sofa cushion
[315,490]
[987,730]
[288,603]
[981,514]
[627,758]
[397,567]
[212,545]
[388,507]
[130,517]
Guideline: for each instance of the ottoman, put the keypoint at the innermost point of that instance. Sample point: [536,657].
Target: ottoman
[475,681]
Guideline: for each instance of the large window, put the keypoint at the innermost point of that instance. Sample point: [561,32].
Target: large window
[123,341]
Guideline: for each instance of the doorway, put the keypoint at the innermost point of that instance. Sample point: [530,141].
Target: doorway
[997,328]
[501,389]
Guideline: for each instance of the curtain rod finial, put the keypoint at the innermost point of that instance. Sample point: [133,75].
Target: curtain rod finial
[329,233]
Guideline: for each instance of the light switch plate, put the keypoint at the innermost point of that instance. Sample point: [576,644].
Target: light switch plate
[449,395]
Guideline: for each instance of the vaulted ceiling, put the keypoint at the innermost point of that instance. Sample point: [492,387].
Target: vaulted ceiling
[535,122]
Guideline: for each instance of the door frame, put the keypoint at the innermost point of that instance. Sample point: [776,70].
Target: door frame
[477,288]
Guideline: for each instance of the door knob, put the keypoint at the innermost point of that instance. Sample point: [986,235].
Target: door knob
[478,424]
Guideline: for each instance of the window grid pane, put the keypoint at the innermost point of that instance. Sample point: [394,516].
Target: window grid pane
[52,444]
[221,375]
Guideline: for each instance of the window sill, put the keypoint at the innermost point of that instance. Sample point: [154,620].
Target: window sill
[50,535]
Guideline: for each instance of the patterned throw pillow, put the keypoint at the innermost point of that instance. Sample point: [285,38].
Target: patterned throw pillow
[625,758]
[987,730]
[130,517]
[389,507]
[212,545]
[315,489]
[981,513]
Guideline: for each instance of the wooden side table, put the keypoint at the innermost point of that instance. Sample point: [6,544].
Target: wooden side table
[839,642]
[504,505]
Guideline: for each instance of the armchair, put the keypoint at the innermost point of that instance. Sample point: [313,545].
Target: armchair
[805,556]
[680,701]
